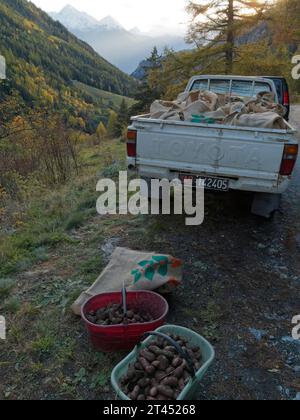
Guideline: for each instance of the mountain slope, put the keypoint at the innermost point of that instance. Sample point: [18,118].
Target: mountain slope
[123,48]
[43,57]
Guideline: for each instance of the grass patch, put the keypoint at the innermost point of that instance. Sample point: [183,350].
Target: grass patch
[51,215]
[6,286]
[112,171]
[93,265]
[12,305]
[44,345]
[75,220]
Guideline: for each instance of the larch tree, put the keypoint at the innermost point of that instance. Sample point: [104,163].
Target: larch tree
[216,24]
[112,126]
[101,131]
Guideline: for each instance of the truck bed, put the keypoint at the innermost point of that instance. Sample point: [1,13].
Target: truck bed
[249,157]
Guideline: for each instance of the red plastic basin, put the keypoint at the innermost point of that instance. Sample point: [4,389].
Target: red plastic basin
[124,337]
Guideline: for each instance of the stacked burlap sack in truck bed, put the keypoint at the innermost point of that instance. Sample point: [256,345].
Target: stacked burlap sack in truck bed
[211,108]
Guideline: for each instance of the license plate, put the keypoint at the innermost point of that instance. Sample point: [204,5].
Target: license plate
[208,182]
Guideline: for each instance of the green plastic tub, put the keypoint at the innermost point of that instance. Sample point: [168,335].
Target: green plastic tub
[195,339]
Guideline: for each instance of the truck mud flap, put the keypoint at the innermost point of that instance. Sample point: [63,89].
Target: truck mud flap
[265,205]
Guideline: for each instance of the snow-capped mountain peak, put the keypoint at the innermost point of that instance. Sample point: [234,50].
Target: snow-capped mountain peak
[110,23]
[75,20]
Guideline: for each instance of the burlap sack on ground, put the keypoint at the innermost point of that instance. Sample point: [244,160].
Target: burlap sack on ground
[138,271]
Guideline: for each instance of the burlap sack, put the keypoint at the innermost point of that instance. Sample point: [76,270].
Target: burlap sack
[263,120]
[224,109]
[138,271]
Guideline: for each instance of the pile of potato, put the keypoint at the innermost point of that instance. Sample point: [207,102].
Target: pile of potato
[113,314]
[159,372]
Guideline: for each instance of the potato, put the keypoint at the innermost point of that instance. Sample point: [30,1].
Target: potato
[177,362]
[171,349]
[167,354]
[153,391]
[178,373]
[144,382]
[131,373]
[170,381]
[161,398]
[166,391]
[135,393]
[116,321]
[147,355]
[149,369]
[138,366]
[155,350]
[181,384]
[154,382]
[163,362]
[141,397]
[159,375]
[130,314]
[156,364]
[170,370]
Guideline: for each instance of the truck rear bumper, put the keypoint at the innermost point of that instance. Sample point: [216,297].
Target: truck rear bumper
[240,183]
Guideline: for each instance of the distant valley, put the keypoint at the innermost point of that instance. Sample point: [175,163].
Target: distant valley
[125,49]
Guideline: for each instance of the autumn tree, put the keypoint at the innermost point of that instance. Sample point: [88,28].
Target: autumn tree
[216,24]
[286,24]
[101,131]
[112,124]
[122,120]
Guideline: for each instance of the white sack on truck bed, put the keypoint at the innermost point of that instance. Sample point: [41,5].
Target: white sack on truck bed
[211,108]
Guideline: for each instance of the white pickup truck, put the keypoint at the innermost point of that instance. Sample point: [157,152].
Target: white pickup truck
[259,160]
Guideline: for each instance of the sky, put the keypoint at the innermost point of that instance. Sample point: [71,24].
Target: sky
[154,15]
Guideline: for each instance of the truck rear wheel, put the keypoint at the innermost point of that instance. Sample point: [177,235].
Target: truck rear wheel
[265,205]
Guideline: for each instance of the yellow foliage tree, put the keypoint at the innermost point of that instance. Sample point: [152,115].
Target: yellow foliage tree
[101,131]
[112,124]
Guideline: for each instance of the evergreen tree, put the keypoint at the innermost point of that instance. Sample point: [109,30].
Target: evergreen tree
[147,93]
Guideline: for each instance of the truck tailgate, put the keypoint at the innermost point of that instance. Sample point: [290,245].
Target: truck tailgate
[225,151]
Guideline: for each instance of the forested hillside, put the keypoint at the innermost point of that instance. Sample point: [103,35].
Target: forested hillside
[43,59]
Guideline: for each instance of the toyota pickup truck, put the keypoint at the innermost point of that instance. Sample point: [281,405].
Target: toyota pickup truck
[260,160]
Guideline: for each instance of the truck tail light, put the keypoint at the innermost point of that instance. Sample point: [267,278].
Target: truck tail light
[286,98]
[289,159]
[131,143]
